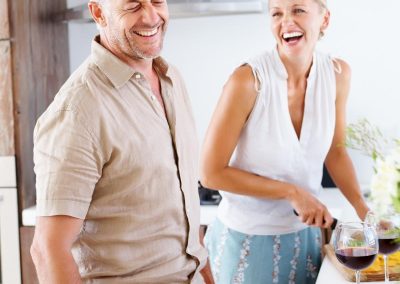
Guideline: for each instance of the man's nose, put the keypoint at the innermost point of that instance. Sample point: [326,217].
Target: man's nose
[149,14]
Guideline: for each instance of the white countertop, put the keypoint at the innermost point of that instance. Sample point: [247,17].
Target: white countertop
[208,213]
[332,198]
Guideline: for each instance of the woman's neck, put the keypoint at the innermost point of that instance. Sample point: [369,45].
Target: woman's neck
[298,68]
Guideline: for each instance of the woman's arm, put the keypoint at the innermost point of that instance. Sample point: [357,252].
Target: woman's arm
[233,109]
[338,161]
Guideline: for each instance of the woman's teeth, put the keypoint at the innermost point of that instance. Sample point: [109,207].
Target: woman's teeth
[287,36]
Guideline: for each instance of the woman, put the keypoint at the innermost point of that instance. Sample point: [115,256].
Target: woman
[280,117]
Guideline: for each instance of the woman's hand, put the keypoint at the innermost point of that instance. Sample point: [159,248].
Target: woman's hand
[310,210]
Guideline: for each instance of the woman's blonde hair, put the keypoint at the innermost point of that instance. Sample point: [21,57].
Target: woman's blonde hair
[322,3]
[323,6]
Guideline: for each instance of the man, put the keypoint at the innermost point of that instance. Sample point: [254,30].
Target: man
[116,161]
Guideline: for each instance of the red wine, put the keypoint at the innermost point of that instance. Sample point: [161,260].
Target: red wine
[388,245]
[356,258]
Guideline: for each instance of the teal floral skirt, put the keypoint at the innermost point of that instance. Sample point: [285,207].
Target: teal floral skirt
[237,258]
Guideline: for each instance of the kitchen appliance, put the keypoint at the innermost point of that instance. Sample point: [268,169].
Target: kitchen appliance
[208,196]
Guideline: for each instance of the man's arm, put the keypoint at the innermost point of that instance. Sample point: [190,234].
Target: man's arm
[51,249]
[206,271]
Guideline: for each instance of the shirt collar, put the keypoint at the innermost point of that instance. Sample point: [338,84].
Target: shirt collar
[278,65]
[117,71]
[281,69]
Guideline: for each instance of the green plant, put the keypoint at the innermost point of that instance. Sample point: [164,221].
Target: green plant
[366,138]
[385,183]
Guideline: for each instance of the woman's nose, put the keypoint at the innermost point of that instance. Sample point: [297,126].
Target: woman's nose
[287,18]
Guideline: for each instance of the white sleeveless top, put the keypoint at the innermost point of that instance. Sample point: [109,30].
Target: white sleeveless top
[268,145]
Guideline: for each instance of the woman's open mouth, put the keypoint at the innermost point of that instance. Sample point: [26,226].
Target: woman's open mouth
[292,37]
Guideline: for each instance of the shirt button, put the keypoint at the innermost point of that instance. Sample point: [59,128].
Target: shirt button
[137,76]
[153,97]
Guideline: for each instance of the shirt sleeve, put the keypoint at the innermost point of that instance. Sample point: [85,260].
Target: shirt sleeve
[68,164]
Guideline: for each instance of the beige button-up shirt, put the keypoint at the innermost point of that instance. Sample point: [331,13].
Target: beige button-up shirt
[106,152]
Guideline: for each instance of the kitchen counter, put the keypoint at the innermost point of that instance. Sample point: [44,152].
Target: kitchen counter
[329,274]
[331,197]
[208,213]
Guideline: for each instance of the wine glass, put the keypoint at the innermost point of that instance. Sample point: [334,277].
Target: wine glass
[356,245]
[388,230]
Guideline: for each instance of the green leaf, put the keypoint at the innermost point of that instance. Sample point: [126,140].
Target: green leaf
[365,137]
[396,203]
[356,243]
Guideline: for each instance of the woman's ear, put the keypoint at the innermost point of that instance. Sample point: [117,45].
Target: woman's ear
[326,19]
[96,9]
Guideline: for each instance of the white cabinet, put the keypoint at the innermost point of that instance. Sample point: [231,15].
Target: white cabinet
[9,236]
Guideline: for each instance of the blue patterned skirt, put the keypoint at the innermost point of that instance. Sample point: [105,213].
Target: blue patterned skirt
[238,258]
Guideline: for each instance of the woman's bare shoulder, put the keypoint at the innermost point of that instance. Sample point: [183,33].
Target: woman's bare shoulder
[343,78]
[342,71]
[243,78]
[239,93]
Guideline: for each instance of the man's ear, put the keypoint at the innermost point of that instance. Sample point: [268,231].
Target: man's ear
[96,9]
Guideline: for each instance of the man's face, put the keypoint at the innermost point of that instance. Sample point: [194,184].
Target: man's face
[135,28]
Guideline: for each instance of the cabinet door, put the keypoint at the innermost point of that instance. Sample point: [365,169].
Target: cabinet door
[40,65]
[6,101]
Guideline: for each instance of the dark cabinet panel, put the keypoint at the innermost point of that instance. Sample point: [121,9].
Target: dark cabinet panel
[40,62]
[34,63]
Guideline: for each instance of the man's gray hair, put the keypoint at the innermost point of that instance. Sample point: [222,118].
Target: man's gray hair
[101,2]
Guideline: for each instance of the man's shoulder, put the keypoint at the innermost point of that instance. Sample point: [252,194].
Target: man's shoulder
[75,93]
[76,101]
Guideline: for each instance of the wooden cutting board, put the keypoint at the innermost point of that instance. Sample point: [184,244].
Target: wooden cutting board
[367,275]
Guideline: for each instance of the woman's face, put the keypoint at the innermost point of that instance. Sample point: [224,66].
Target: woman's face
[297,24]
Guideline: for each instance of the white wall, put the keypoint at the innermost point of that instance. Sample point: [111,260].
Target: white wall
[206,50]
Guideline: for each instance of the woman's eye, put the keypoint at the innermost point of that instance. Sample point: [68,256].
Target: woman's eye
[298,11]
[276,14]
